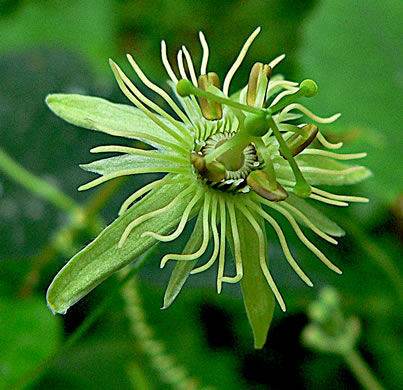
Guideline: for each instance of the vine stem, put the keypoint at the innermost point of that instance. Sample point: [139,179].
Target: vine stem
[361,370]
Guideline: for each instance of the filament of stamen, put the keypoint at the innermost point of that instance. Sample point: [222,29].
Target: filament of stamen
[237,247]
[203,247]
[328,201]
[283,94]
[221,259]
[190,66]
[300,107]
[239,60]
[276,61]
[336,156]
[182,222]
[166,63]
[283,242]
[215,238]
[321,138]
[345,198]
[152,214]
[203,67]
[262,256]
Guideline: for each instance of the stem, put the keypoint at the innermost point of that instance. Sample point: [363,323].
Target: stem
[39,371]
[361,370]
[36,185]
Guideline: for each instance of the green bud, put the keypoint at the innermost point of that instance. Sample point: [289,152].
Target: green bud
[211,110]
[308,88]
[184,88]
[259,182]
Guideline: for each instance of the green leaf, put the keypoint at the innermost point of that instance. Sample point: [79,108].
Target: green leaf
[152,161]
[319,170]
[182,269]
[101,115]
[102,257]
[29,336]
[257,296]
[315,216]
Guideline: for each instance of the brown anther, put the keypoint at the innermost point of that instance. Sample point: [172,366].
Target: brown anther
[259,182]
[257,76]
[297,143]
[210,110]
[214,171]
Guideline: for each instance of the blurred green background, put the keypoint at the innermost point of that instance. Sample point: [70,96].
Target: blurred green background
[350,48]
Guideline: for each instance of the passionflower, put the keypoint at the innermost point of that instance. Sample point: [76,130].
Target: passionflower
[233,162]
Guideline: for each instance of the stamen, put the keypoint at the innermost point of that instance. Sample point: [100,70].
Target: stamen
[321,138]
[300,107]
[215,237]
[158,90]
[239,60]
[166,63]
[182,222]
[133,171]
[181,147]
[237,247]
[203,68]
[155,184]
[336,156]
[276,61]
[283,242]
[203,247]
[262,256]
[152,214]
[221,259]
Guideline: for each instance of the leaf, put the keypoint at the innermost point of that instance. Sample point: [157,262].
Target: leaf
[101,115]
[315,216]
[319,170]
[102,257]
[29,336]
[182,269]
[152,161]
[257,296]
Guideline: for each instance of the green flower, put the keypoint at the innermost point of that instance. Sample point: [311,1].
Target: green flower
[233,161]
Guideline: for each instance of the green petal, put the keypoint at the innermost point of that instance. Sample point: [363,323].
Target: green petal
[101,115]
[257,296]
[102,257]
[315,216]
[319,170]
[182,269]
[126,162]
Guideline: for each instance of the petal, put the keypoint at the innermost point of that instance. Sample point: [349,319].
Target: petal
[102,257]
[101,115]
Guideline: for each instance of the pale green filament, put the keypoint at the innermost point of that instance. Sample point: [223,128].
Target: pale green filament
[181,147]
[262,256]
[221,259]
[133,91]
[328,201]
[276,61]
[152,214]
[238,61]
[283,94]
[203,67]
[321,138]
[300,107]
[304,240]
[237,247]
[283,242]
[345,198]
[191,68]
[336,156]
[216,249]
[166,63]
[159,91]
[206,234]
[182,222]
[143,190]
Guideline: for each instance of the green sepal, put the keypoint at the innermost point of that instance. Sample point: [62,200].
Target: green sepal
[315,216]
[101,115]
[257,296]
[102,257]
[182,269]
[327,171]
[111,165]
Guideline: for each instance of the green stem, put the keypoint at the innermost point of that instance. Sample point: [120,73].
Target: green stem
[39,371]
[36,185]
[361,370]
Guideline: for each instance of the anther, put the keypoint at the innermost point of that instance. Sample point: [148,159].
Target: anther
[259,77]
[214,171]
[297,143]
[259,182]
[211,110]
